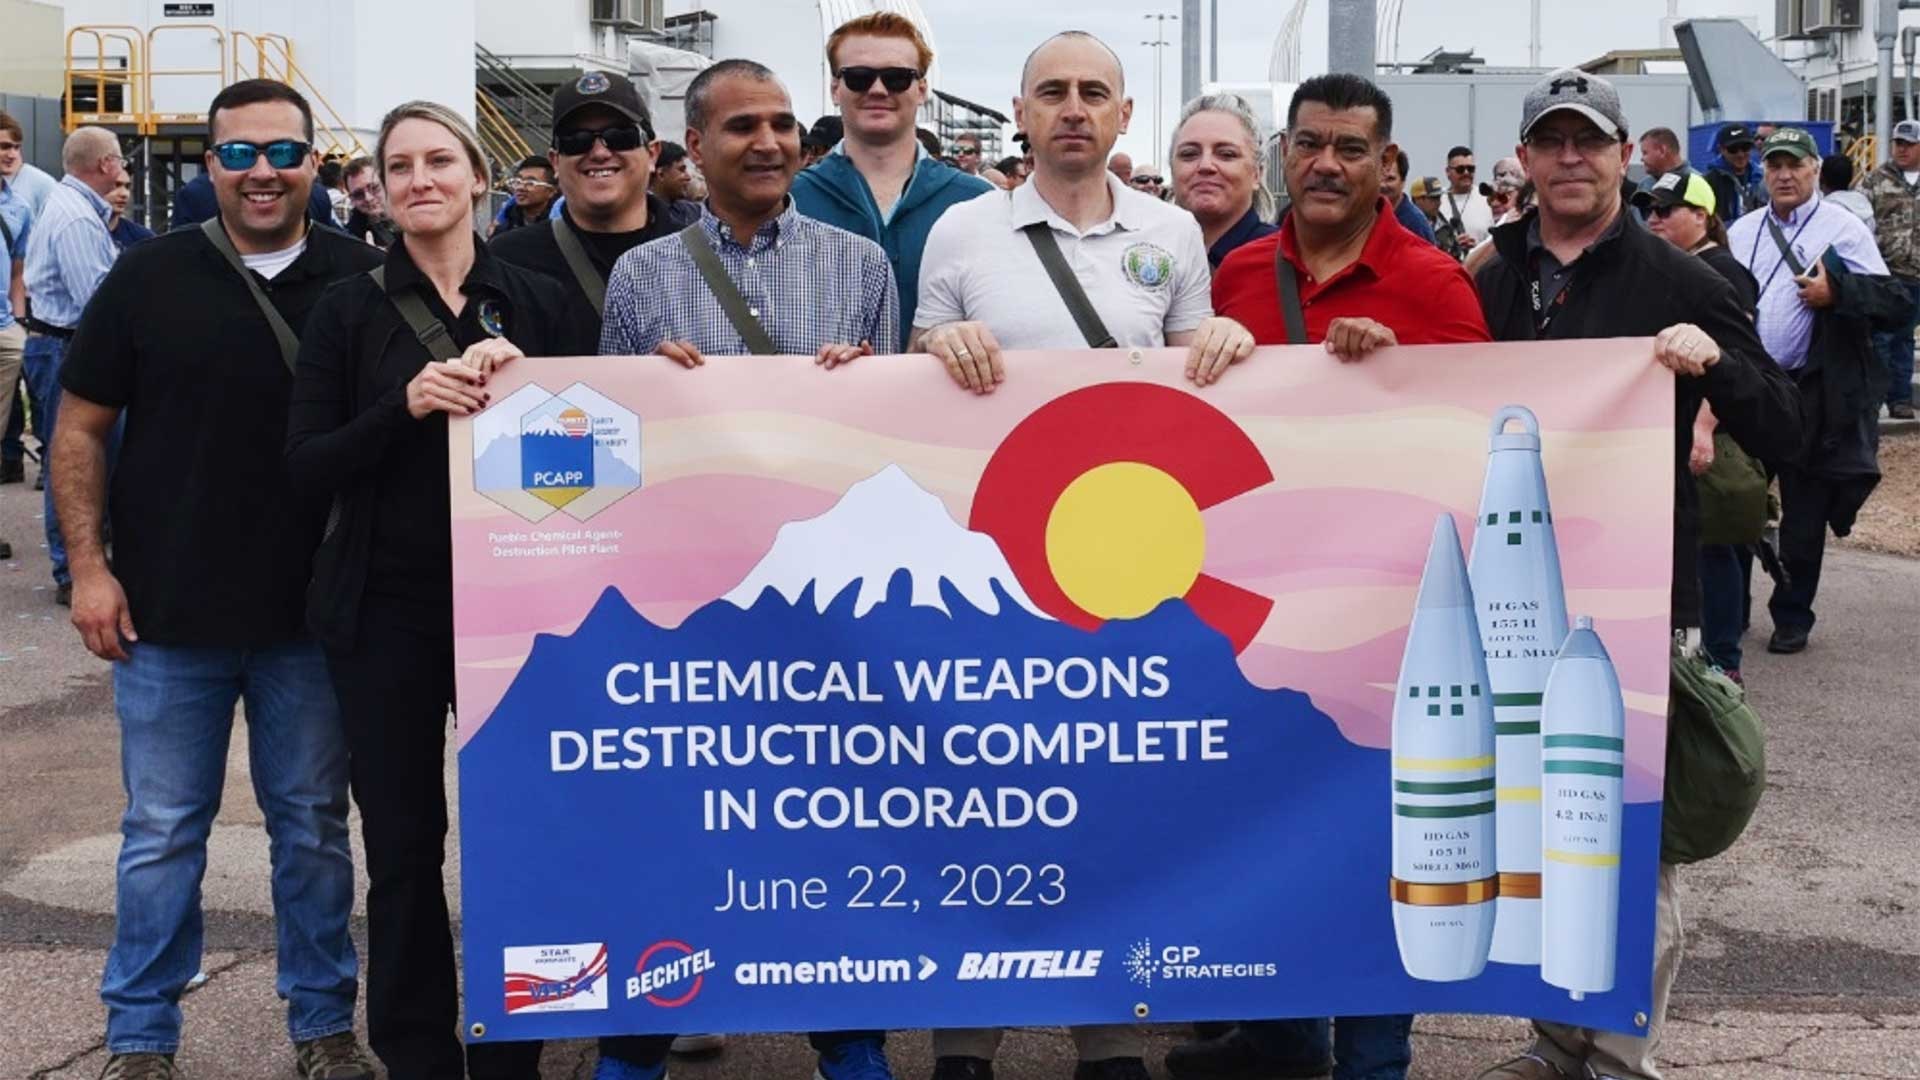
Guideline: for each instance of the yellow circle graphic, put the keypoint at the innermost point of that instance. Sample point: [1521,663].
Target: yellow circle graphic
[1122,538]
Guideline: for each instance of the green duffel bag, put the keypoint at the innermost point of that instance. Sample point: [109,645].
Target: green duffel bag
[1733,496]
[1716,763]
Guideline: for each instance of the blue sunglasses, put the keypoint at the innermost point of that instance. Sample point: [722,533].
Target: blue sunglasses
[281,154]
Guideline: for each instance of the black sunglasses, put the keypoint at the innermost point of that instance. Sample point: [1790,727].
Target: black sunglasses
[895,79]
[576,141]
[1468,169]
[1664,212]
[281,154]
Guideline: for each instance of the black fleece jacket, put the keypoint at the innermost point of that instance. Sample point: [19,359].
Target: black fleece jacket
[1634,284]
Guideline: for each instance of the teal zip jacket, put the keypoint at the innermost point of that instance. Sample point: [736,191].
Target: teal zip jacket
[833,191]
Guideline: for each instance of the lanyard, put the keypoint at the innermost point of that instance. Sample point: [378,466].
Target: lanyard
[1754,255]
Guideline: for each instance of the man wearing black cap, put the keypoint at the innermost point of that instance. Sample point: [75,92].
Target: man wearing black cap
[1737,184]
[820,139]
[1894,190]
[1581,267]
[602,152]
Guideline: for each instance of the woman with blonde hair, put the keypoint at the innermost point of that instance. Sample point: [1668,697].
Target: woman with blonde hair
[368,426]
[1217,171]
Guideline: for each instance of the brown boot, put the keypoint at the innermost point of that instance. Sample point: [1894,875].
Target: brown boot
[1525,1067]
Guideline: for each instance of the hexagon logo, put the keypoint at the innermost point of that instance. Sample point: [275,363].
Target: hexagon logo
[535,452]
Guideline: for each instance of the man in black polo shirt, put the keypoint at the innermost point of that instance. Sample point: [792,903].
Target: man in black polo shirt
[603,152]
[203,601]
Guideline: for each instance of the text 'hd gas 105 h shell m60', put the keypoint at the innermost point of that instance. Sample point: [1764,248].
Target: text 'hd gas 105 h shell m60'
[1444,881]
[1522,611]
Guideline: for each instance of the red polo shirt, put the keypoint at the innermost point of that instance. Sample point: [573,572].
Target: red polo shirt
[1400,281]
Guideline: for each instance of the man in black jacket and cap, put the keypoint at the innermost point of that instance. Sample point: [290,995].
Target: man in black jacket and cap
[1580,266]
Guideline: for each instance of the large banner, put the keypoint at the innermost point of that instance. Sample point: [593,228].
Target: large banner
[793,699]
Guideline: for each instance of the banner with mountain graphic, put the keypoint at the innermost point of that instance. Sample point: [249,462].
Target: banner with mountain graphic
[795,700]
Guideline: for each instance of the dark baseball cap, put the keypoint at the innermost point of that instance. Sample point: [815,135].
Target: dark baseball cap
[612,90]
[825,133]
[1789,141]
[1733,135]
[1570,88]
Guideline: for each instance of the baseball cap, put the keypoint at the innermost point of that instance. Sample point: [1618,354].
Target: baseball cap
[1907,131]
[615,91]
[1426,187]
[825,133]
[1733,135]
[1677,189]
[1570,88]
[1789,141]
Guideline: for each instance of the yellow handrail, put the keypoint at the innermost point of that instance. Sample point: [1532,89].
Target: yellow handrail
[155,119]
[489,116]
[331,123]
[103,76]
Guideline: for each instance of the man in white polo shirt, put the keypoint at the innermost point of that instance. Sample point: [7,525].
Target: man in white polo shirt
[1140,263]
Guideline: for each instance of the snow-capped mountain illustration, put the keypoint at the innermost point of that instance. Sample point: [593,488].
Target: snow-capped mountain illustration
[545,425]
[883,524]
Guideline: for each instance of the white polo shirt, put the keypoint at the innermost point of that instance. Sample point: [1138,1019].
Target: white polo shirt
[1144,269]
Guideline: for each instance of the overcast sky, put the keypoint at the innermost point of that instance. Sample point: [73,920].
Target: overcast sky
[983,42]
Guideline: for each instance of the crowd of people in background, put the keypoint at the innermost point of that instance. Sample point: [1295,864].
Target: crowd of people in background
[245,419]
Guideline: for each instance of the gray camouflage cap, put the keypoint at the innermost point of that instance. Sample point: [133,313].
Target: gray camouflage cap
[1570,88]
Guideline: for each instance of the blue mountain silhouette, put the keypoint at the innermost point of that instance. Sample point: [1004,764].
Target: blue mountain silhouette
[1279,854]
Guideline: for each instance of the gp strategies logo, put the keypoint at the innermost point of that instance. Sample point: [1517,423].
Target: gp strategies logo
[1188,963]
[670,974]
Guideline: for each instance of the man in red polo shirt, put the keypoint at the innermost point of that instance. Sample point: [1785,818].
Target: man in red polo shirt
[1364,281]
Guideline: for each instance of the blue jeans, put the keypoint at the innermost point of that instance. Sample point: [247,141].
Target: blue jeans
[40,367]
[175,705]
[1364,1047]
[1896,347]
[1723,602]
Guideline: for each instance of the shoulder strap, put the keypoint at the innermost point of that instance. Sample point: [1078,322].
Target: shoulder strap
[1786,249]
[6,230]
[1040,235]
[584,272]
[1290,309]
[282,333]
[758,341]
[430,332]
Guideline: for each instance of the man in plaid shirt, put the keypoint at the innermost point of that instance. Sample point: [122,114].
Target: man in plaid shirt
[813,288]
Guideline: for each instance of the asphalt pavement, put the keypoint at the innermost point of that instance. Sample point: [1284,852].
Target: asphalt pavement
[1803,942]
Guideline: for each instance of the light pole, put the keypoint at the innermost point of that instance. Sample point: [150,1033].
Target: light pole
[1158,45]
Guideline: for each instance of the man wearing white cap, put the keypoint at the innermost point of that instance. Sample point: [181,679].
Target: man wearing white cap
[1894,191]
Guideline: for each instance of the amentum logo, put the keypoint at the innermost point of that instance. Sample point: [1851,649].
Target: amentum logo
[827,972]
[1140,962]
[670,973]
[1029,964]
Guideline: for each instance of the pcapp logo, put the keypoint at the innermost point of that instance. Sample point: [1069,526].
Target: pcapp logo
[556,978]
[536,452]
[670,974]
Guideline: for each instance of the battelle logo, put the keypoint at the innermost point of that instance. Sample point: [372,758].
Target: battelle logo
[537,452]
[822,972]
[669,964]
[556,978]
[1030,964]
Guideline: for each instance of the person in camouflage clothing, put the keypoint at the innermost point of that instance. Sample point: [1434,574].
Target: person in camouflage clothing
[1894,190]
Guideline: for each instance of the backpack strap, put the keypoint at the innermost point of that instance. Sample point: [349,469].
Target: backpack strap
[430,332]
[1290,309]
[282,333]
[1040,235]
[584,272]
[758,341]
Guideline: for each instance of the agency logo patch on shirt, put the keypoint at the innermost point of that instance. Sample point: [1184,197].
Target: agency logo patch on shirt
[593,82]
[1149,266]
[492,320]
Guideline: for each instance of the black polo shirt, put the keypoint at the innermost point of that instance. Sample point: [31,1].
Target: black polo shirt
[534,248]
[209,540]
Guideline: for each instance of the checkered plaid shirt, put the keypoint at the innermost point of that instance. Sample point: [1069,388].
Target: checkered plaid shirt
[808,283]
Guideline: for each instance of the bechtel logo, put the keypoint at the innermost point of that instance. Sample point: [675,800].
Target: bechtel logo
[668,964]
[1034,964]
